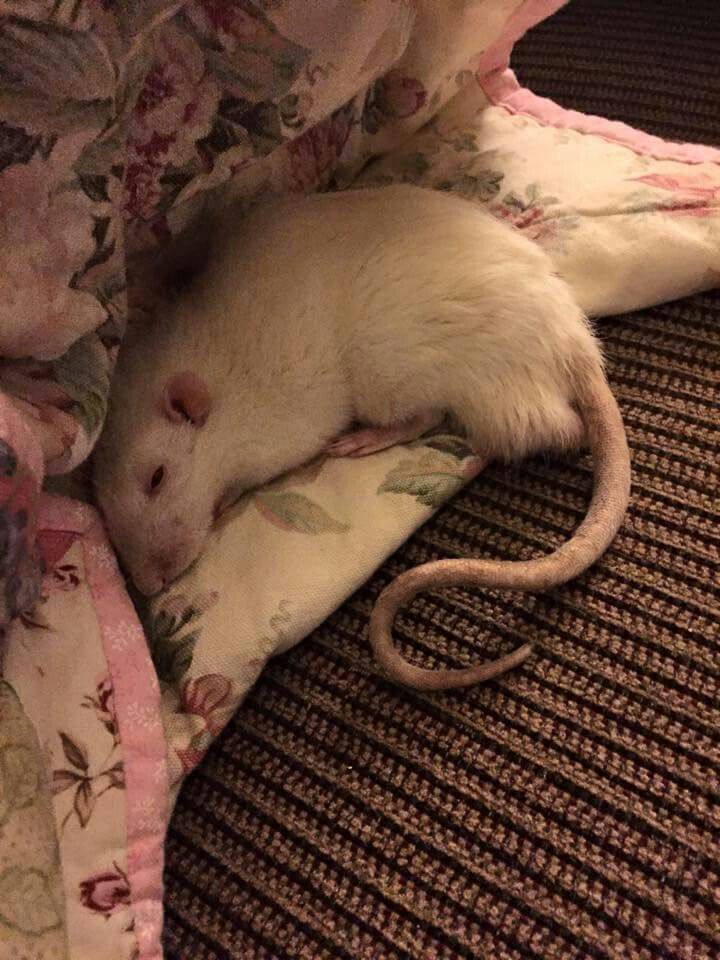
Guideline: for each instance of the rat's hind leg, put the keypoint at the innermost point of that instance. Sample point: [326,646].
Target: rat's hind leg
[366,440]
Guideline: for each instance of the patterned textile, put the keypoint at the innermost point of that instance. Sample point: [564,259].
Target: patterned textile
[119,123]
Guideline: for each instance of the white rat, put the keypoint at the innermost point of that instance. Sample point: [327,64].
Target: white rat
[387,307]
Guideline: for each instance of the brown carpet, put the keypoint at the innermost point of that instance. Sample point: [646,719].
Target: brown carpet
[571,810]
[651,63]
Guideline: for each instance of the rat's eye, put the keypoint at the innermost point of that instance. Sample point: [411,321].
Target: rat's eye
[156,480]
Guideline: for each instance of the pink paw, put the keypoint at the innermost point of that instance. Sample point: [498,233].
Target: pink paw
[361,443]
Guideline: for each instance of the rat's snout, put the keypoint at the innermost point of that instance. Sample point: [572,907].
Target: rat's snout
[168,567]
[169,564]
[169,558]
[161,570]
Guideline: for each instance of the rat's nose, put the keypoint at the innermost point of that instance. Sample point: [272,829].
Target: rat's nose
[167,567]
[148,582]
[164,566]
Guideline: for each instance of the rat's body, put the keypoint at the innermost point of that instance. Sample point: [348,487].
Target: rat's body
[390,307]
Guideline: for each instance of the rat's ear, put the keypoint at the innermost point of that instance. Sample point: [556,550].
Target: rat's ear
[186,397]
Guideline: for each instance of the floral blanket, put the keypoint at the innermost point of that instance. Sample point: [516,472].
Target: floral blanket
[119,124]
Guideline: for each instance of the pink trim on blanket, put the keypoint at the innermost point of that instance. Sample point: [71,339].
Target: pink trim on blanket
[502,89]
[137,704]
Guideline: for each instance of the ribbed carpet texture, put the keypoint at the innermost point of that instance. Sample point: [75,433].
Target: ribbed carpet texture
[571,810]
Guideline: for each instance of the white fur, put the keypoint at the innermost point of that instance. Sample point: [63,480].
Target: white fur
[369,305]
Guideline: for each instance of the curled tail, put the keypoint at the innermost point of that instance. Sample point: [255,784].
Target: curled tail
[611,492]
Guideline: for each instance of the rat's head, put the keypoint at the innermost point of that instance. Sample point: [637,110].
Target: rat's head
[157,499]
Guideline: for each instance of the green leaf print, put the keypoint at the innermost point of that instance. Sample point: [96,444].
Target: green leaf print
[513,200]
[171,650]
[173,181]
[31,890]
[173,658]
[75,753]
[301,476]
[64,780]
[483,186]
[84,804]
[173,632]
[405,168]
[62,80]
[431,479]
[448,443]
[296,512]
[82,372]
[413,166]
[263,67]
[19,776]
[26,901]
[94,186]
[465,141]
[18,146]
[531,200]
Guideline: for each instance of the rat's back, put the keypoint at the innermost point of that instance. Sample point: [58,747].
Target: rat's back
[339,260]
[386,303]
[440,306]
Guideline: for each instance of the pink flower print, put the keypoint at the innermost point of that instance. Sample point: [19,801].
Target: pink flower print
[54,544]
[529,220]
[399,96]
[314,154]
[393,97]
[228,19]
[174,109]
[207,697]
[691,196]
[177,102]
[239,28]
[103,703]
[687,187]
[65,577]
[153,151]
[194,753]
[106,892]
[106,702]
[142,190]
